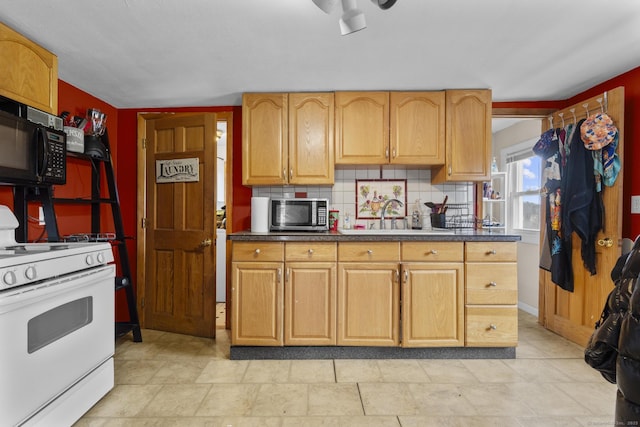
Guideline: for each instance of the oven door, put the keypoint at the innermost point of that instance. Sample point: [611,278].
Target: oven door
[54,334]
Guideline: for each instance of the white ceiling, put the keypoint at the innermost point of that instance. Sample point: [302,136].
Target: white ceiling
[169,53]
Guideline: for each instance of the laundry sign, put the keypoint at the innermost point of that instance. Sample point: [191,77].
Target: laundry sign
[177,170]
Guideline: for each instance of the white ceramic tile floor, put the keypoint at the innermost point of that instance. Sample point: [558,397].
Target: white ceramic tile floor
[176,380]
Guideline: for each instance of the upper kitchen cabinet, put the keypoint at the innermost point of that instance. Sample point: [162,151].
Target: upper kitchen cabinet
[311,159]
[468,137]
[264,138]
[287,138]
[405,128]
[29,72]
[362,127]
[417,124]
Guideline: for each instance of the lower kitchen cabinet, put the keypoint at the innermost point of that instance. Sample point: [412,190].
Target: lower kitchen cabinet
[492,326]
[433,305]
[432,294]
[257,291]
[310,303]
[374,294]
[491,278]
[368,304]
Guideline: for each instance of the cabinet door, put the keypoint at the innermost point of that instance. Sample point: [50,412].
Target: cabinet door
[311,159]
[257,299]
[264,138]
[310,303]
[362,127]
[417,122]
[368,304]
[468,137]
[29,72]
[432,305]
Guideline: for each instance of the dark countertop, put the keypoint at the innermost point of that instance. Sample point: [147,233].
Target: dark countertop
[462,235]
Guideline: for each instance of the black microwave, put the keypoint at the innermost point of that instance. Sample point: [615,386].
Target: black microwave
[298,214]
[31,153]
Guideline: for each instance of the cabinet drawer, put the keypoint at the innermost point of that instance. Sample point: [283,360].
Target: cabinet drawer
[492,283]
[491,251]
[258,251]
[491,326]
[310,251]
[433,251]
[373,251]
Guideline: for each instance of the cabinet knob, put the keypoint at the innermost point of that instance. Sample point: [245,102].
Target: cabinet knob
[394,153]
[206,242]
[257,251]
[310,251]
[291,173]
[493,284]
[493,327]
[369,251]
[386,153]
[491,252]
[434,252]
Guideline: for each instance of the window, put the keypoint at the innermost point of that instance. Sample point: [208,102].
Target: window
[524,179]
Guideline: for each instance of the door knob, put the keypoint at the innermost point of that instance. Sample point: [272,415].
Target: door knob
[606,242]
[206,242]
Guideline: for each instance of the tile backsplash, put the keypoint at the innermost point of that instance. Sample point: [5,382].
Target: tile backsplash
[342,195]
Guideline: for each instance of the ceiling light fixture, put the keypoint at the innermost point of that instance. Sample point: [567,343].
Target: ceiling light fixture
[352,19]
[326,5]
[384,4]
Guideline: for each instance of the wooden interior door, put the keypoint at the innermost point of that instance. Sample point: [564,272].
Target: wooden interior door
[573,315]
[180,228]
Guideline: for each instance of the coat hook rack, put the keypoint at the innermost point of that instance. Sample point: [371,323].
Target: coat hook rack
[573,112]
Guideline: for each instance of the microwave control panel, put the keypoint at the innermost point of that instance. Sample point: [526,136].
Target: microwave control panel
[55,168]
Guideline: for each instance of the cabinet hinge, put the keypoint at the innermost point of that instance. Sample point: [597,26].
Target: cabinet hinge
[142,302]
[143,223]
[144,143]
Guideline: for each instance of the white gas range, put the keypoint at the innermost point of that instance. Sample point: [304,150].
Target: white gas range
[57,328]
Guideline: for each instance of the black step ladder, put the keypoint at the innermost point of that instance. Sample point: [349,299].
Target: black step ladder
[44,195]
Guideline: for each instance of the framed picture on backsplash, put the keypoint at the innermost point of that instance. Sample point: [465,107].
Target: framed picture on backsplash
[372,194]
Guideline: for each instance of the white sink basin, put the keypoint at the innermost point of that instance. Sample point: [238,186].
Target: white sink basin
[434,231]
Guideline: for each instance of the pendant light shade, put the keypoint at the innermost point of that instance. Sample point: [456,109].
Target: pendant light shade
[327,6]
[352,19]
[384,4]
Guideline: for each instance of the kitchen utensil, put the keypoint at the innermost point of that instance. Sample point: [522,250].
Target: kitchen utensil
[442,206]
[431,206]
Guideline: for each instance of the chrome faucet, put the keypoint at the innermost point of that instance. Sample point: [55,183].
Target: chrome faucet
[384,209]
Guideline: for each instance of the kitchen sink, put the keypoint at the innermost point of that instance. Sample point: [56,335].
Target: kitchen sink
[405,232]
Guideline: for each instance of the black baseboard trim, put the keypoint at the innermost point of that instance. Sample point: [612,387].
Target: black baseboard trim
[283,353]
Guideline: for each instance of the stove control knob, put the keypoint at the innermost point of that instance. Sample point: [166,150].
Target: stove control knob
[30,272]
[9,278]
[89,260]
[100,257]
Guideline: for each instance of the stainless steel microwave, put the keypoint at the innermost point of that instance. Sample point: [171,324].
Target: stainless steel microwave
[298,214]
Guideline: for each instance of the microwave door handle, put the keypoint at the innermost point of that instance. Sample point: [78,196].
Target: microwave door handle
[45,153]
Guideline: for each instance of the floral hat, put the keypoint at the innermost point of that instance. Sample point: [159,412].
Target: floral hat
[598,131]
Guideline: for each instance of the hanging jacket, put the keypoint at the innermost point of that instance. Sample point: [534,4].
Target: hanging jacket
[582,204]
[628,362]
